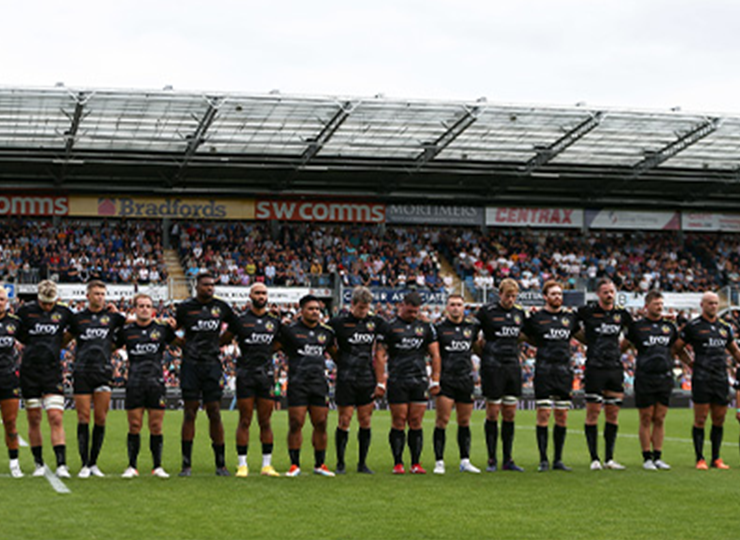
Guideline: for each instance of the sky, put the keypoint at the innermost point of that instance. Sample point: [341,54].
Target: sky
[648,54]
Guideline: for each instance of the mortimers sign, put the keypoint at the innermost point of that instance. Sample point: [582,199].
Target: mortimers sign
[423,214]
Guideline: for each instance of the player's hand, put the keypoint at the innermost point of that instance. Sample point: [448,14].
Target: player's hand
[434,389]
[172,322]
[379,392]
[112,307]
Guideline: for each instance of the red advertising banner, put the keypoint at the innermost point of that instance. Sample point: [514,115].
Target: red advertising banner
[33,205]
[326,211]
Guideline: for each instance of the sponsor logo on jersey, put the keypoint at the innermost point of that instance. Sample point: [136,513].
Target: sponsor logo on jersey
[717,342]
[95,333]
[361,339]
[657,340]
[210,325]
[410,344]
[259,339]
[311,350]
[144,348]
[557,333]
[7,342]
[508,331]
[43,329]
[458,346]
[609,329]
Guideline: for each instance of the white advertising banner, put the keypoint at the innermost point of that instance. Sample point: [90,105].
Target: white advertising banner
[694,221]
[499,216]
[625,219]
[634,300]
[275,295]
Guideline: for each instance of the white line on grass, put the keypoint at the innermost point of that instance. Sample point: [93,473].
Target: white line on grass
[55,482]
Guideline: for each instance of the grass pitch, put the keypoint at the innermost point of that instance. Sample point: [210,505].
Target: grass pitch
[682,503]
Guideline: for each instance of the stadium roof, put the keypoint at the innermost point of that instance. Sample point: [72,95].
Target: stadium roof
[96,140]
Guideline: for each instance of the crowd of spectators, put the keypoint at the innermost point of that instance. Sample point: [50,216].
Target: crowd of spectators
[76,251]
[635,261]
[310,254]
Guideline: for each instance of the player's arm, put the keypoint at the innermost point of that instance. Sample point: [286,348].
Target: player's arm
[433,350]
[380,360]
[625,345]
[679,350]
[580,336]
[734,351]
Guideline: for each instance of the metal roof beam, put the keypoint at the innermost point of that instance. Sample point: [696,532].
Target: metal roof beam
[432,150]
[572,136]
[330,128]
[654,159]
[694,135]
[198,137]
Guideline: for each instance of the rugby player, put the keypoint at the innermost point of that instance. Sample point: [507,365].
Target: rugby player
[201,374]
[95,330]
[356,385]
[9,386]
[145,341]
[602,323]
[255,378]
[710,338]
[500,371]
[306,343]
[456,334]
[42,327]
[550,330]
[653,336]
[403,345]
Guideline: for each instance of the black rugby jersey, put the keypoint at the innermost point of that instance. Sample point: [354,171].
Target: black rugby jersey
[145,346]
[456,346]
[603,328]
[43,332]
[710,341]
[202,324]
[653,341]
[551,333]
[407,344]
[501,328]
[95,334]
[355,340]
[9,326]
[306,349]
[255,335]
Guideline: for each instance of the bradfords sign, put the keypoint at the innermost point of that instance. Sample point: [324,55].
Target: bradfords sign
[534,217]
[161,207]
[33,205]
[423,214]
[343,212]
